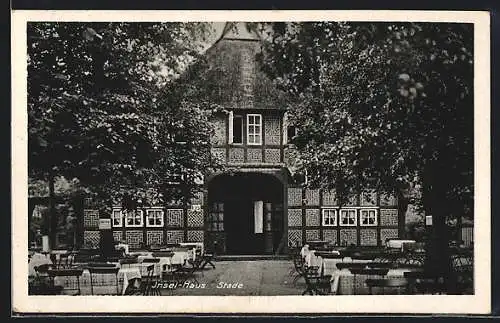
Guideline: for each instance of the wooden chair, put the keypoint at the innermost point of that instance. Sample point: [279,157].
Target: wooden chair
[208,258]
[43,284]
[463,272]
[151,278]
[399,283]
[147,261]
[103,271]
[299,266]
[316,284]
[67,273]
[423,282]
[181,274]
[65,260]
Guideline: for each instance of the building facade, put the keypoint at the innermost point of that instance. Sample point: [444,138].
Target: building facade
[253,206]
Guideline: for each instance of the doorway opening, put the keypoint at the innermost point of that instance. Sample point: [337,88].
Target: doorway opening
[245,213]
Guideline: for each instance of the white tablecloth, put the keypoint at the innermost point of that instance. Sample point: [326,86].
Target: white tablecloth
[104,284]
[179,258]
[343,281]
[129,274]
[304,251]
[123,246]
[311,259]
[199,245]
[36,260]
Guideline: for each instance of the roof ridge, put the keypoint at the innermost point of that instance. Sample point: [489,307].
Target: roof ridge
[238,30]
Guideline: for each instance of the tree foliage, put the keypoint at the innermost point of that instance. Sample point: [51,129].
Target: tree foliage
[97,109]
[380,105]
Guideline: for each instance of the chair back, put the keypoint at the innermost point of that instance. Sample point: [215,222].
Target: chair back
[298,263]
[311,272]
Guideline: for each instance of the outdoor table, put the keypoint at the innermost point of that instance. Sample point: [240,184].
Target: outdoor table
[178,258]
[123,246]
[197,245]
[316,243]
[343,282]
[36,260]
[398,243]
[329,265]
[103,284]
[315,258]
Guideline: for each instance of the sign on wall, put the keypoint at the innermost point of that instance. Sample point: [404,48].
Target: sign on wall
[104,224]
[428,220]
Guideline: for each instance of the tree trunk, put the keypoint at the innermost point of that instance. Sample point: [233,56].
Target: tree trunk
[438,257]
[31,209]
[52,213]
[402,208]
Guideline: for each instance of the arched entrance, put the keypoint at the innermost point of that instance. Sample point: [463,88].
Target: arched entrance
[245,213]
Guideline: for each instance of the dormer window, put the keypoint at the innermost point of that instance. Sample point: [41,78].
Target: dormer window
[254,129]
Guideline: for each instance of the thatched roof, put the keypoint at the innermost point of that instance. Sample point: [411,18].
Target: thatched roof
[235,77]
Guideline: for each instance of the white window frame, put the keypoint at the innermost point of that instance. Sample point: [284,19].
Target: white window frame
[116,213]
[125,217]
[324,213]
[162,217]
[367,211]
[254,124]
[341,212]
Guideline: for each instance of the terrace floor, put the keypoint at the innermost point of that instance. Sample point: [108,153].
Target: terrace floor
[246,278]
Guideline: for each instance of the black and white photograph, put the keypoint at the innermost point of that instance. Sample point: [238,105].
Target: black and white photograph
[331,159]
